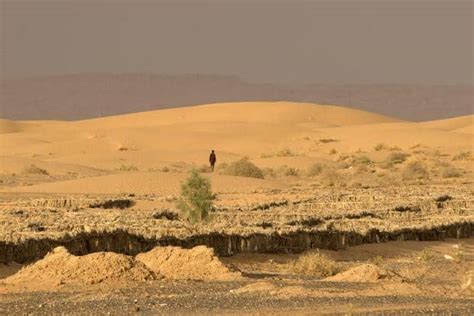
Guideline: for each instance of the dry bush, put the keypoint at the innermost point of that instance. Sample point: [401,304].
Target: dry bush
[265,155]
[196,200]
[426,255]
[327,140]
[415,170]
[288,171]
[314,264]
[285,152]
[396,157]
[269,172]
[128,168]
[464,155]
[364,160]
[450,172]
[244,168]
[35,170]
[165,169]
[204,169]
[315,170]
[380,146]
[332,177]
[333,151]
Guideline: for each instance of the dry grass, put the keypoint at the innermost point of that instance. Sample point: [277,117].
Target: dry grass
[464,155]
[315,170]
[450,172]
[415,170]
[396,157]
[314,264]
[244,168]
[128,168]
[380,146]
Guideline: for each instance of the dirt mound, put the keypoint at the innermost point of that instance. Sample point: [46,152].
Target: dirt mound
[60,267]
[362,273]
[198,263]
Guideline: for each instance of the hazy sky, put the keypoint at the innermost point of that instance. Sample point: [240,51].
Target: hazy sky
[384,41]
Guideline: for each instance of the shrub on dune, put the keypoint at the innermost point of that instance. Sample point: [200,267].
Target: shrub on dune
[415,170]
[244,168]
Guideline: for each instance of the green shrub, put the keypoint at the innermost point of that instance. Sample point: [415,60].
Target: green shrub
[244,168]
[315,170]
[415,170]
[196,200]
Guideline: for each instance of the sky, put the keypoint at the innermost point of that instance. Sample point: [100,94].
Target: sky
[290,42]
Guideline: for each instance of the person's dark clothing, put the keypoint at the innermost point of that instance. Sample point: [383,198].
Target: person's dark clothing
[212,160]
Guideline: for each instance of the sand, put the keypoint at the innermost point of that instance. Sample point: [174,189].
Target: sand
[59,268]
[361,273]
[198,263]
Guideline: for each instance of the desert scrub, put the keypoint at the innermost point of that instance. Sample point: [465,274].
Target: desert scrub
[204,169]
[426,255]
[327,140]
[315,170]
[285,152]
[288,171]
[35,170]
[396,157]
[314,264]
[464,155]
[244,168]
[415,170]
[364,160]
[380,146]
[127,168]
[196,200]
[450,172]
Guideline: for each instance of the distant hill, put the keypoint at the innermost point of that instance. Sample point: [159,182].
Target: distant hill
[81,96]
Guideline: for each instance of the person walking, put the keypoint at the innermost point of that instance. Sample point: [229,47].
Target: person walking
[212,160]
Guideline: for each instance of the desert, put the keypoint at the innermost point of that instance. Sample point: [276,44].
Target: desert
[317,208]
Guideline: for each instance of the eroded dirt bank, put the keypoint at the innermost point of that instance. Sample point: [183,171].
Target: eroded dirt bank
[123,242]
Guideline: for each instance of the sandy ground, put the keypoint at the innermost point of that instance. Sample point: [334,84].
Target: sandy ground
[344,175]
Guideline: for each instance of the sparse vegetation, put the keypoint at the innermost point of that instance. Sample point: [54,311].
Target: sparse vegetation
[204,169]
[333,151]
[314,264]
[196,200]
[285,152]
[450,172]
[128,168]
[35,170]
[288,171]
[364,160]
[396,157]
[426,255]
[315,170]
[244,168]
[327,140]
[464,155]
[415,170]
[379,147]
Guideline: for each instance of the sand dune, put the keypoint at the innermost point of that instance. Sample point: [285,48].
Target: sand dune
[457,124]
[180,138]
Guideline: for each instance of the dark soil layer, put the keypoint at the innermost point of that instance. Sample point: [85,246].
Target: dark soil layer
[124,242]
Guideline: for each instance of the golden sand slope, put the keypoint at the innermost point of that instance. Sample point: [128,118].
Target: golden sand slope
[179,138]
